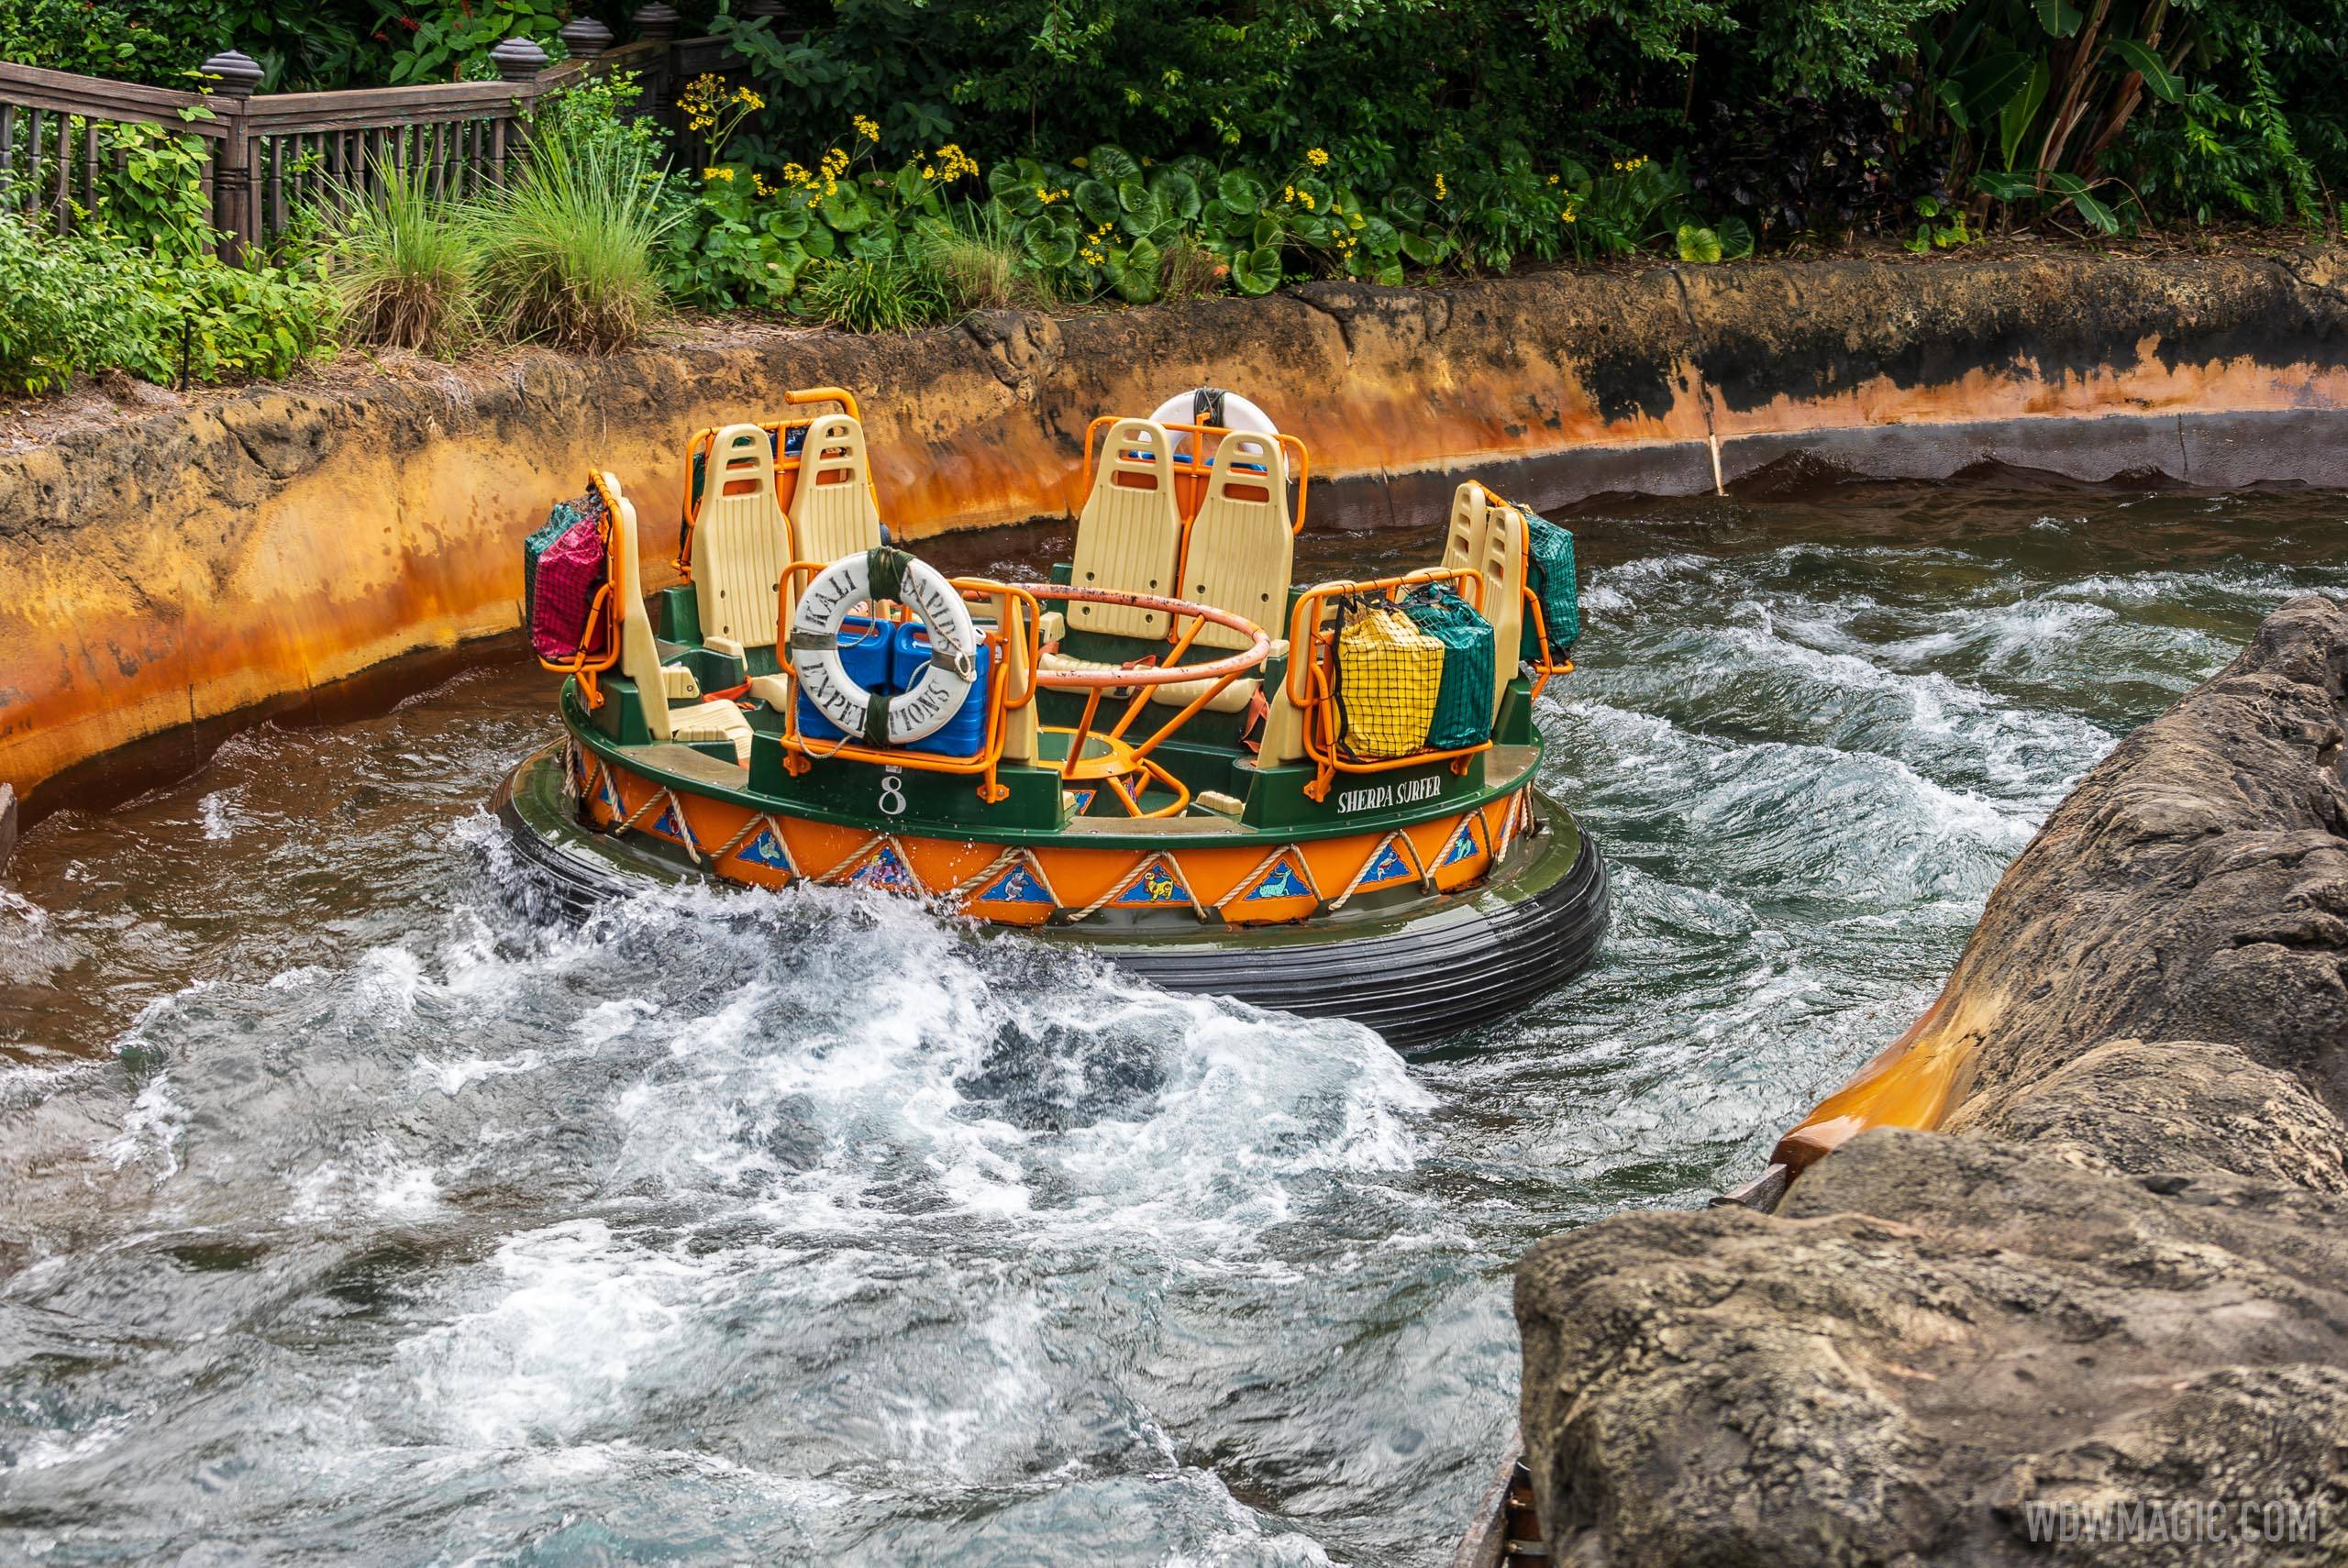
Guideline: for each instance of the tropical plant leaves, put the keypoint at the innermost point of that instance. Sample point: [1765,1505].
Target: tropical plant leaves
[1255,271]
[2014,119]
[1241,191]
[1737,239]
[1701,244]
[2059,17]
[2159,80]
[1111,163]
[1178,192]
[1096,199]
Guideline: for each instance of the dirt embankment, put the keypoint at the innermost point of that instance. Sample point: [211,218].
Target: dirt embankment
[2112,1294]
[187,564]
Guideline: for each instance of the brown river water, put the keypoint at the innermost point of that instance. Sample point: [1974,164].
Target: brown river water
[346,1214]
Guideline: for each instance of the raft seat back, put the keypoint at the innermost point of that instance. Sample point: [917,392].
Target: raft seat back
[1488,539]
[832,511]
[639,658]
[1129,534]
[1241,552]
[741,541]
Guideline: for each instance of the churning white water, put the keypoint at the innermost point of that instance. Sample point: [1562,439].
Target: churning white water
[345,1214]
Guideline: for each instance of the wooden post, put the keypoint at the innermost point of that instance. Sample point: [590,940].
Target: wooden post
[586,37]
[232,77]
[658,22]
[518,62]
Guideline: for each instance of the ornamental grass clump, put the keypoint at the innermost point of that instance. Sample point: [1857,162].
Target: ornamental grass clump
[894,294]
[566,247]
[405,268]
[977,263]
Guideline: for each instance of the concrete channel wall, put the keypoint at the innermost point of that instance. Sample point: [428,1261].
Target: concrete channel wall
[172,573]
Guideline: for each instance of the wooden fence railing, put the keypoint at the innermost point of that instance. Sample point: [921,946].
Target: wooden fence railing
[270,156]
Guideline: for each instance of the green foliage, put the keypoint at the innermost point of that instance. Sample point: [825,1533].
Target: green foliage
[405,267]
[150,189]
[451,39]
[873,295]
[93,301]
[568,246]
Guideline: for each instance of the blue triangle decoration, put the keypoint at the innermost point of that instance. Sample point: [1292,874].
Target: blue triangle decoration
[1463,843]
[1281,883]
[1016,886]
[886,872]
[666,823]
[1084,799]
[1155,885]
[765,849]
[1390,867]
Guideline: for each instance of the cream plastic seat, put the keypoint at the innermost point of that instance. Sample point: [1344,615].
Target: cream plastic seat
[741,542]
[1489,539]
[1129,533]
[639,658]
[832,511]
[1241,552]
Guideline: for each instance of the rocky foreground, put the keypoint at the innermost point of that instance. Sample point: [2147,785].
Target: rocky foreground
[2102,1316]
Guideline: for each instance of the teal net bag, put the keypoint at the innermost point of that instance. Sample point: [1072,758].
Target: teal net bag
[1463,703]
[1553,583]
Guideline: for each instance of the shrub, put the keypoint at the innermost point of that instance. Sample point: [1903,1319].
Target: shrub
[567,248]
[405,268]
[889,295]
[63,313]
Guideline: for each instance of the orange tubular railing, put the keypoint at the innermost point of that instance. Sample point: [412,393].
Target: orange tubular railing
[1313,652]
[1021,618]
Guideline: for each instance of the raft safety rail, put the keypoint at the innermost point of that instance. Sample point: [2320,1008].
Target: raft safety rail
[697,447]
[1190,472]
[1019,615]
[1313,692]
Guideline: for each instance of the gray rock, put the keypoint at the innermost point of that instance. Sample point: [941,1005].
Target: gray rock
[2112,1292]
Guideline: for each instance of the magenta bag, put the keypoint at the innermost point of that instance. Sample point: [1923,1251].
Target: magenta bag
[562,579]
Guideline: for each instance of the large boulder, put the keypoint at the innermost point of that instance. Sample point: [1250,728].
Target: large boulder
[2104,1315]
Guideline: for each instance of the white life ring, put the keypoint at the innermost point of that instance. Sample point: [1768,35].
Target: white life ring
[944,685]
[1238,413]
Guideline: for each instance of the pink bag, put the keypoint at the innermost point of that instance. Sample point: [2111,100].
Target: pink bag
[565,579]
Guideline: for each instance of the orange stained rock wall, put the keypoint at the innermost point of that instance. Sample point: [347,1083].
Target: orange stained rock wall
[188,565]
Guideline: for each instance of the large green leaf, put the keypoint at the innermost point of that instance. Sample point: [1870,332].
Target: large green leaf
[1698,244]
[1179,193]
[1380,239]
[845,209]
[2059,17]
[1737,239]
[1047,244]
[2014,119]
[2099,216]
[2159,80]
[1136,280]
[1096,199]
[1256,271]
[1241,190]
[785,218]
[1423,250]
[1983,88]
[1111,163]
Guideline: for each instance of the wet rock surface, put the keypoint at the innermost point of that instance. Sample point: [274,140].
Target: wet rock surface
[2110,1296]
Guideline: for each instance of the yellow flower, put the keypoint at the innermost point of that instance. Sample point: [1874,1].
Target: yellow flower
[759,184]
[1442,191]
[927,173]
[1565,217]
[796,175]
[1553,179]
[720,172]
[1316,156]
[865,127]
[748,99]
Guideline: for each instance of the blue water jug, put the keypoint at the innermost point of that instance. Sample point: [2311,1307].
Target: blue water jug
[866,653]
[966,732]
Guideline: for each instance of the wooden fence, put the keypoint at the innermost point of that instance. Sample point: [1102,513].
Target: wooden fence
[270,156]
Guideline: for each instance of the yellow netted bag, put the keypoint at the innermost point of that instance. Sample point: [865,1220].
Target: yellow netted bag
[1389,673]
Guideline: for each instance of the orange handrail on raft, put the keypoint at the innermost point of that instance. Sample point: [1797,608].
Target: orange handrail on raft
[1312,650]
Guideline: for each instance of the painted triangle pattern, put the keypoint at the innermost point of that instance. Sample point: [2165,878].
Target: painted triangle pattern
[1157,884]
[887,872]
[1016,886]
[765,849]
[666,823]
[1284,881]
[1390,867]
[1463,842]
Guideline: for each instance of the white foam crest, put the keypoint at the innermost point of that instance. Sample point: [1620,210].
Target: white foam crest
[575,1316]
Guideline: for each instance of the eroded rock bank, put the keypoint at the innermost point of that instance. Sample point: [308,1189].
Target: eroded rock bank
[201,561]
[2112,1294]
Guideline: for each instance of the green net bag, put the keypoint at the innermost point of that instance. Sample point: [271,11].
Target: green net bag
[1553,583]
[1463,705]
